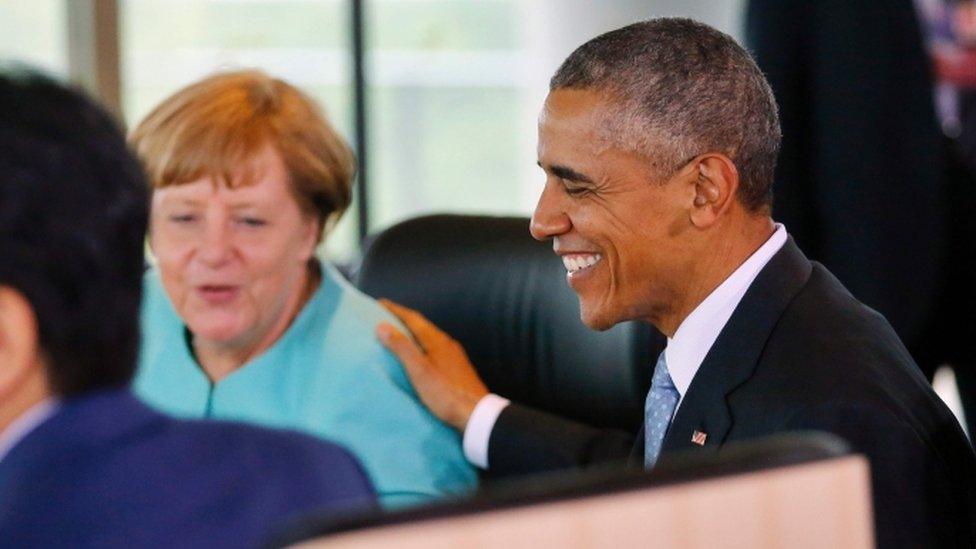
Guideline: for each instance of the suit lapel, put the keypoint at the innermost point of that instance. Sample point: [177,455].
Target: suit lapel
[637,452]
[703,418]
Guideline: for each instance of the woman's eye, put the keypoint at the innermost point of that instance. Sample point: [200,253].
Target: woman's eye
[252,221]
[182,218]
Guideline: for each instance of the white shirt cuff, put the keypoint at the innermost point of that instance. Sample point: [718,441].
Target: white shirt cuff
[478,430]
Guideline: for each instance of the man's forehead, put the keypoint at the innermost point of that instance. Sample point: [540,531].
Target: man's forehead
[579,119]
[579,104]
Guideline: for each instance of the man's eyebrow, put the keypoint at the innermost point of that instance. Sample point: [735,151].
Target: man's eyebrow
[567,173]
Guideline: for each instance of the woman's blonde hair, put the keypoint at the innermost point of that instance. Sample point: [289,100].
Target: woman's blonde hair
[217,125]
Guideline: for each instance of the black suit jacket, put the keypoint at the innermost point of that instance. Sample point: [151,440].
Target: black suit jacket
[800,353]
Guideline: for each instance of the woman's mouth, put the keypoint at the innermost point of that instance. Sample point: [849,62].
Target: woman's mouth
[217,294]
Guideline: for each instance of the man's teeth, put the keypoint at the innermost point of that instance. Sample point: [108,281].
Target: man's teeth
[576,262]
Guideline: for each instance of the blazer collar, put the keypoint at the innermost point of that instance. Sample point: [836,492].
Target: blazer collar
[734,355]
[80,422]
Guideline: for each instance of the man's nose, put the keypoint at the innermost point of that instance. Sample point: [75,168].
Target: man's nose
[549,218]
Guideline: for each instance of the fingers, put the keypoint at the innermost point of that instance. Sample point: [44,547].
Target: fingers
[406,315]
[424,330]
[443,377]
[409,354]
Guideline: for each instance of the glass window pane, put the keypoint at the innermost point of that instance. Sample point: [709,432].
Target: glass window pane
[34,33]
[446,101]
[167,44]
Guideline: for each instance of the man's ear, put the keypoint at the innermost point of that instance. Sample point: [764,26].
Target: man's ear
[716,186]
[19,345]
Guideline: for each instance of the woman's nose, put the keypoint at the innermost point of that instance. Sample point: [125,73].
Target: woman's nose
[216,247]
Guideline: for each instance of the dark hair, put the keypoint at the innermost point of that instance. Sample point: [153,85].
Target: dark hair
[73,214]
[681,88]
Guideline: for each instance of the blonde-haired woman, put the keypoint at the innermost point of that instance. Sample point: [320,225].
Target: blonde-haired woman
[240,319]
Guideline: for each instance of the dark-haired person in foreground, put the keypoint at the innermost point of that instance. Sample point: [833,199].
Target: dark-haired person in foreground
[659,142]
[82,462]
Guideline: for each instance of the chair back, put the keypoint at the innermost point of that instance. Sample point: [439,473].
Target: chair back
[504,297]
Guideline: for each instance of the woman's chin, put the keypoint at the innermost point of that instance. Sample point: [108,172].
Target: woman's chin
[215,333]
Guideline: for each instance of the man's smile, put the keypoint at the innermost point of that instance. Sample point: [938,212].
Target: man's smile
[577,263]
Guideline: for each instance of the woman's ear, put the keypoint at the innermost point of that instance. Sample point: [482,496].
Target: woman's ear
[716,185]
[314,236]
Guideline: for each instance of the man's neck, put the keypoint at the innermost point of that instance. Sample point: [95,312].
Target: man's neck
[722,259]
[31,392]
[22,426]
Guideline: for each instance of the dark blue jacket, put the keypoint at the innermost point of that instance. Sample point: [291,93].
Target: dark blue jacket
[107,471]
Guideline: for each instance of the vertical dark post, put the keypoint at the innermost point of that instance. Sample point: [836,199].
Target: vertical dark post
[359,100]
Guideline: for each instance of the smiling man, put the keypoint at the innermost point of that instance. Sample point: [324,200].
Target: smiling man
[658,141]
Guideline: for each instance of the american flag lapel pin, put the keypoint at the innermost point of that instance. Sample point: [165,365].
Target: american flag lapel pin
[699,437]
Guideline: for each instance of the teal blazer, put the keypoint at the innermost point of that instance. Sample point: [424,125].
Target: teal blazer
[328,376]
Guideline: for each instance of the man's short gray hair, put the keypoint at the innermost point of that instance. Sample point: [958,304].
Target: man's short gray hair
[682,88]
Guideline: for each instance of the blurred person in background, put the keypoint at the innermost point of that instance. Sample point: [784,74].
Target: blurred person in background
[867,182]
[950,30]
[240,319]
[82,461]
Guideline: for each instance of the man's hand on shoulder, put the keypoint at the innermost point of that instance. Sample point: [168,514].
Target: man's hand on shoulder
[437,366]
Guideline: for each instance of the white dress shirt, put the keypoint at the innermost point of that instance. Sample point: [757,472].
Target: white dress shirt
[27,422]
[684,353]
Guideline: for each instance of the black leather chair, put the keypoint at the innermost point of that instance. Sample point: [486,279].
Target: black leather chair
[504,296]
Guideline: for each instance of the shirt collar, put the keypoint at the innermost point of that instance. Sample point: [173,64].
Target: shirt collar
[27,422]
[699,330]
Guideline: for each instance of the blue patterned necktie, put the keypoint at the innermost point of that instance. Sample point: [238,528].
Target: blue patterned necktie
[661,401]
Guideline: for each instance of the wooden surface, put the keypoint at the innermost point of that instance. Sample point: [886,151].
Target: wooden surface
[822,504]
